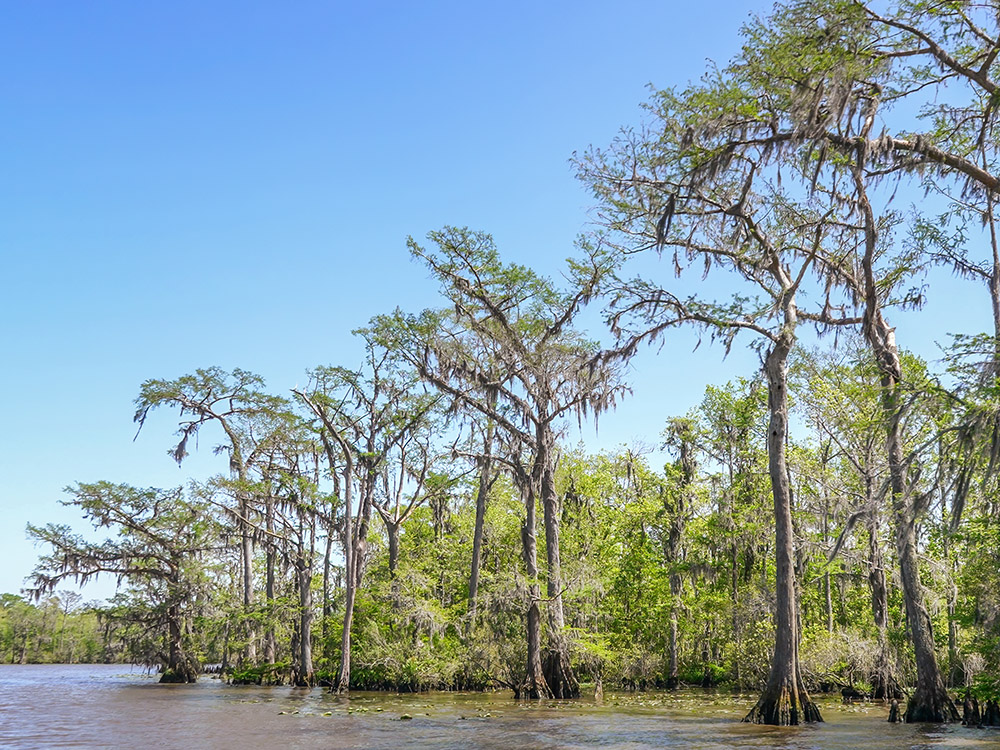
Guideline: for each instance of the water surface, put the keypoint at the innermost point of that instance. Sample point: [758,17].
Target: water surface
[108,706]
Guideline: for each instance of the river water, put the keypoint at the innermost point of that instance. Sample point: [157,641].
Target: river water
[108,706]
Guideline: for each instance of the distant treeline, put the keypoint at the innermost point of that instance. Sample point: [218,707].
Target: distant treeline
[58,629]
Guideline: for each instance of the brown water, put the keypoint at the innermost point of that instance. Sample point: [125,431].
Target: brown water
[58,706]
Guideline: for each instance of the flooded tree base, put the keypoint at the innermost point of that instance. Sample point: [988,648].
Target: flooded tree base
[972,717]
[559,675]
[886,689]
[930,705]
[991,715]
[182,674]
[783,707]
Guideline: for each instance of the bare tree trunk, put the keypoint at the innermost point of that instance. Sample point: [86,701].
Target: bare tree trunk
[361,526]
[327,601]
[829,602]
[734,582]
[734,578]
[956,676]
[270,644]
[929,701]
[304,676]
[956,673]
[180,667]
[882,687]
[224,666]
[558,671]
[482,495]
[302,673]
[238,470]
[535,685]
[673,547]
[994,280]
[826,540]
[343,681]
[355,545]
[246,549]
[551,513]
[392,532]
[673,664]
[785,700]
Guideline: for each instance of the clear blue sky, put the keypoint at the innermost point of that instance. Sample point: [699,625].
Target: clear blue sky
[188,184]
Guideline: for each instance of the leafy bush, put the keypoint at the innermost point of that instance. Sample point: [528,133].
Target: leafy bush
[264,674]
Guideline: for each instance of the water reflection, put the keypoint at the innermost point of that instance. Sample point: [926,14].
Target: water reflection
[118,707]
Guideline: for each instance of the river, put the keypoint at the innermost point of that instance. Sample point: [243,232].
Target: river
[114,706]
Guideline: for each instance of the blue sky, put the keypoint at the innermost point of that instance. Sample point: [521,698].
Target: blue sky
[189,184]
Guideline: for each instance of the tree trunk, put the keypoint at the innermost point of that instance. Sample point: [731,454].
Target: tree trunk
[327,601]
[303,676]
[246,549]
[224,667]
[956,674]
[672,552]
[929,701]
[535,685]
[270,643]
[734,578]
[559,673]
[785,700]
[883,683]
[673,667]
[179,667]
[550,512]
[238,470]
[734,590]
[392,532]
[706,657]
[343,681]
[482,495]
[361,525]
[994,282]
[826,540]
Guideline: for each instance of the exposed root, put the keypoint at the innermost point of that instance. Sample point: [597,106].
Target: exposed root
[783,707]
[559,674]
[930,705]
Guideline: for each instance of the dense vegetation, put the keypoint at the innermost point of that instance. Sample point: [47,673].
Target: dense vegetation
[829,521]
[59,629]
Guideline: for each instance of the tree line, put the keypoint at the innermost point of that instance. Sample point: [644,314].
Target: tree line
[829,520]
[59,629]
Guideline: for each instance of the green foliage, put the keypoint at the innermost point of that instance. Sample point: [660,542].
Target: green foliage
[261,674]
[985,688]
[57,629]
